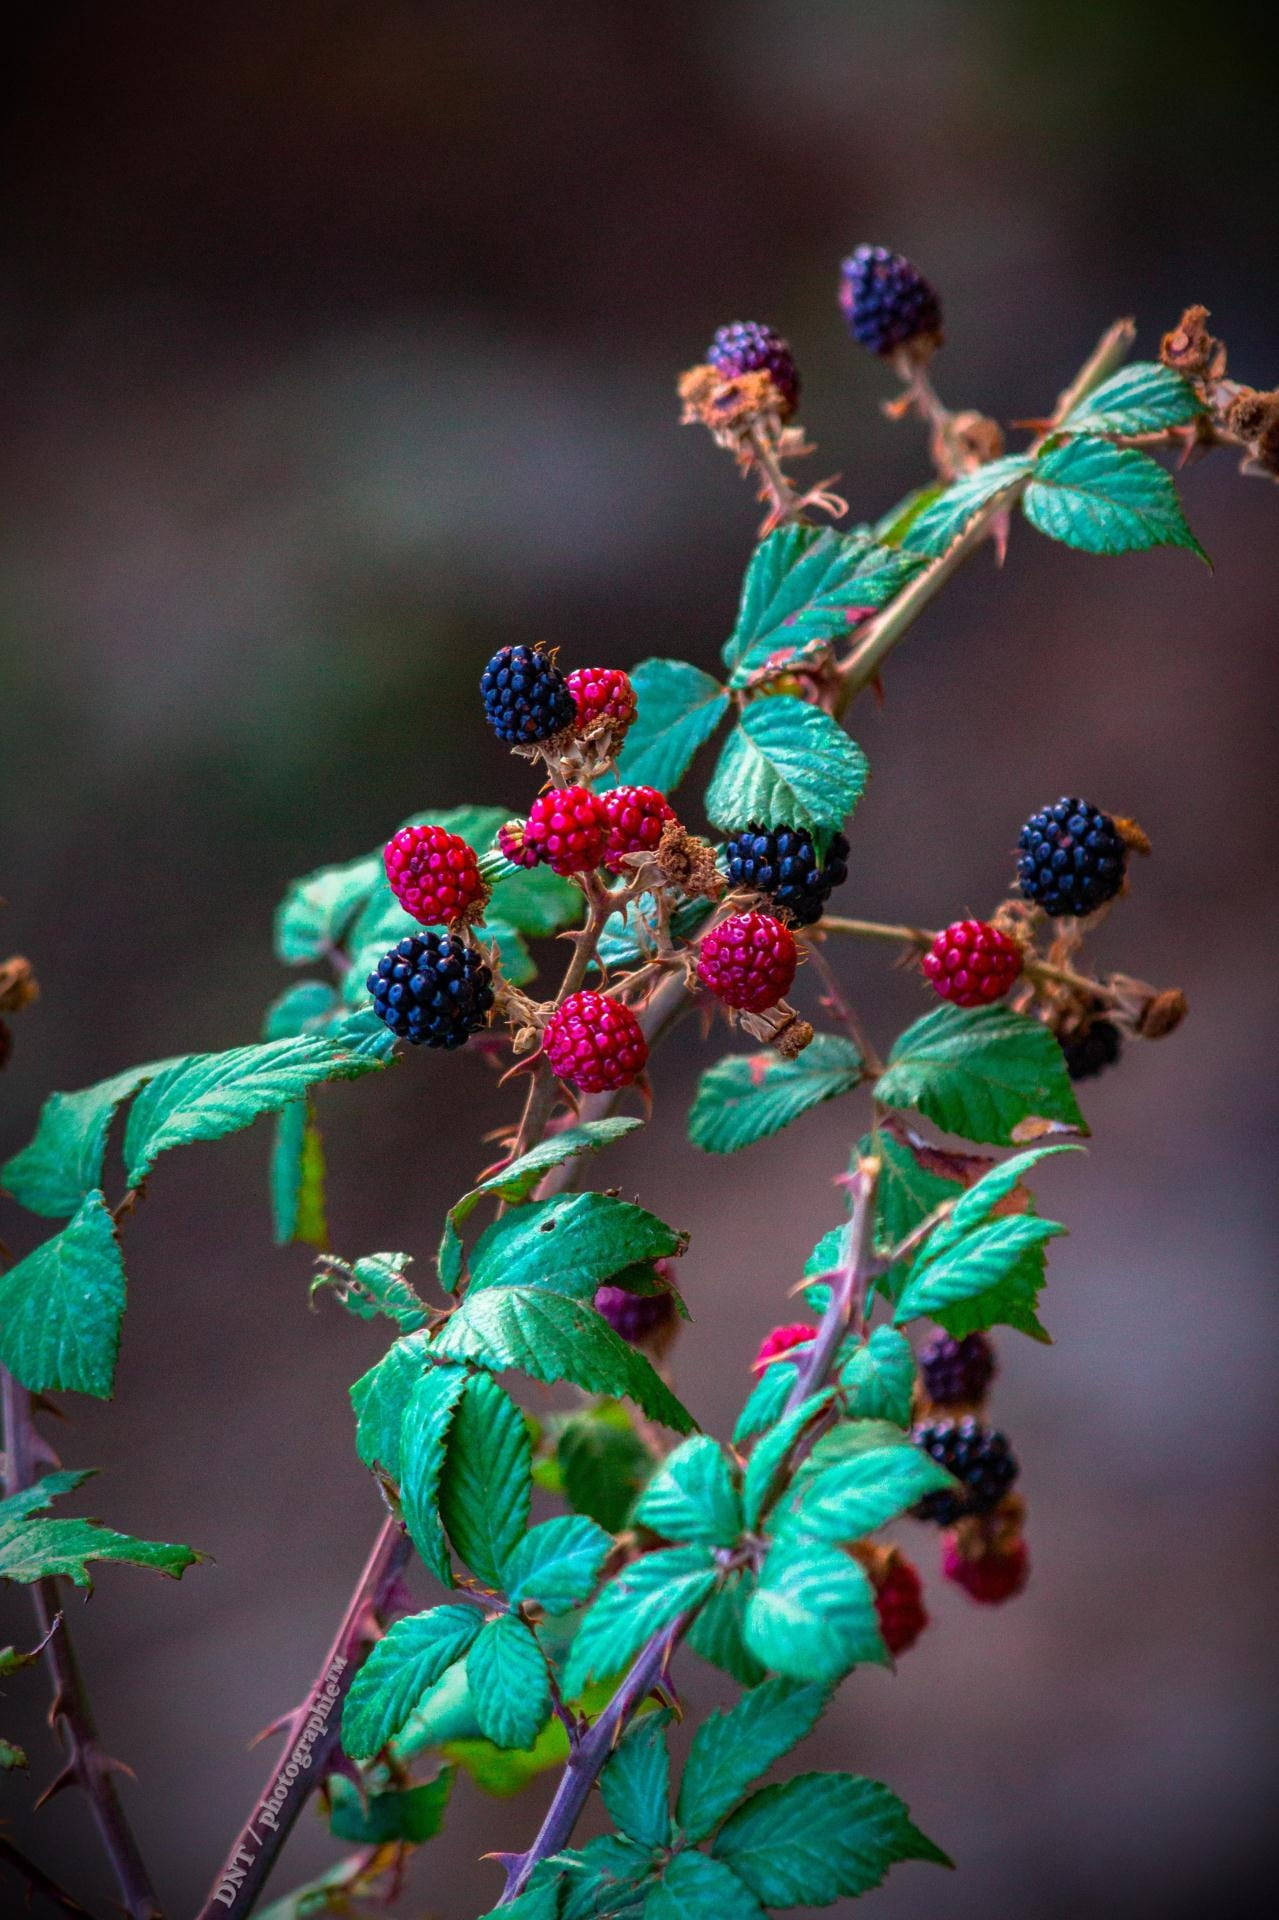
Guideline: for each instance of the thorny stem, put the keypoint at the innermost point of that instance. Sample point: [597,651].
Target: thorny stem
[585,1762]
[307,1751]
[38,1881]
[87,1766]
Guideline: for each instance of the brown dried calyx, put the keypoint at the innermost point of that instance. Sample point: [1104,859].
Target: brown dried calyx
[1253,419]
[730,405]
[18,984]
[1189,348]
[687,862]
[781,1028]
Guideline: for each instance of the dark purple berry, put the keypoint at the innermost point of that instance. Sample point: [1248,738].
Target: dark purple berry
[746,347]
[980,1458]
[432,989]
[1090,1050]
[636,1316]
[957,1373]
[886,301]
[526,697]
[1072,858]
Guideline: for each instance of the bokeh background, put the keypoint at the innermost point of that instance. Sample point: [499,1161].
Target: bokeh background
[339,344]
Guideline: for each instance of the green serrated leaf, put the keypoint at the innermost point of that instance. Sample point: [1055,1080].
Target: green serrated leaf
[878,1378]
[535,901]
[1144,397]
[552,1337]
[569,1244]
[679,709]
[846,1501]
[907,1190]
[1101,498]
[813,1616]
[981,1072]
[377,1284]
[892,529]
[971,1267]
[305,1007]
[63,1161]
[810,1840]
[641,1600]
[748,1097]
[636,1783]
[767,1398]
[510,1686]
[557,1563]
[32,1548]
[540,1902]
[486,1488]
[207,1095]
[718,1632]
[515,1182]
[691,1497]
[771,1451]
[603,1463]
[805,588]
[424,1432]
[409,1658]
[297,1178]
[936,529]
[786,763]
[731,1749]
[317,910]
[379,1398]
[61,1308]
[695,1887]
[413,1815]
[981,1199]
[603,1880]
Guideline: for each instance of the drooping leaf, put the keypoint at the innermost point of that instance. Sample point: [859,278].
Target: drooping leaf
[985,1195]
[645,1597]
[207,1095]
[980,1072]
[810,1840]
[510,1686]
[486,1489]
[748,1097]
[805,588]
[636,1783]
[379,1398]
[412,1814]
[718,1632]
[786,762]
[376,1284]
[691,1497]
[936,529]
[1102,498]
[63,1161]
[317,910]
[973,1266]
[813,1616]
[569,1244]
[410,1657]
[679,708]
[1144,397]
[767,1398]
[61,1308]
[878,1377]
[695,1887]
[769,1453]
[551,1337]
[846,1501]
[515,1182]
[424,1432]
[297,1178]
[603,1464]
[731,1749]
[35,1548]
[557,1563]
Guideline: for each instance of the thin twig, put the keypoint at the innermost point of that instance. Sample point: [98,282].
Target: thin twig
[38,1880]
[833,997]
[87,1765]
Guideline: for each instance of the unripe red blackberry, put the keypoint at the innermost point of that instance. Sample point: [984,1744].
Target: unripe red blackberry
[1072,858]
[638,1317]
[899,1602]
[748,961]
[747,347]
[515,847]
[603,693]
[886,301]
[595,1042]
[980,1458]
[972,963]
[991,1576]
[434,875]
[568,828]
[780,1341]
[432,989]
[957,1373]
[636,816]
[526,697]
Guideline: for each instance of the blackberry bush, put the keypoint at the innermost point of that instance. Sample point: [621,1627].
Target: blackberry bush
[760,1552]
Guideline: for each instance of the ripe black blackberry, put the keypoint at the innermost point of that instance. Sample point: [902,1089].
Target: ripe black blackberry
[956,1373]
[782,862]
[980,1458]
[886,301]
[432,989]
[1072,858]
[747,347]
[1090,1049]
[526,697]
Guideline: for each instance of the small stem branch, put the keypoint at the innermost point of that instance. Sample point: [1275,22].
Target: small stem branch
[312,1735]
[87,1765]
[833,997]
[39,1881]
[877,930]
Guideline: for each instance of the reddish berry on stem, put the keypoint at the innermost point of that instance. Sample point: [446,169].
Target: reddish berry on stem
[749,961]
[603,693]
[899,1602]
[434,874]
[780,1341]
[989,1577]
[568,828]
[512,843]
[595,1042]
[636,816]
[972,963]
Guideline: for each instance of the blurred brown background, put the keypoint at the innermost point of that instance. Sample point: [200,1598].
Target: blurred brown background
[339,344]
